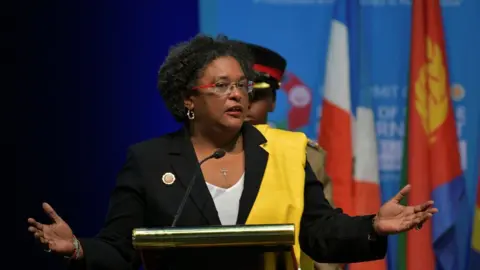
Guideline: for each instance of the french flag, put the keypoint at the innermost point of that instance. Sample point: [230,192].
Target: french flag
[347,130]
[336,123]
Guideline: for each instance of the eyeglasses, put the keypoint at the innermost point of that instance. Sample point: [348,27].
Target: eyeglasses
[223,88]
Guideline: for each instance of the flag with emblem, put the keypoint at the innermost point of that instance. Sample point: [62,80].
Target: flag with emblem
[336,123]
[431,156]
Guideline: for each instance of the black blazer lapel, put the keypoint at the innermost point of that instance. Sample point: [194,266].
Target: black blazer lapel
[255,162]
[185,164]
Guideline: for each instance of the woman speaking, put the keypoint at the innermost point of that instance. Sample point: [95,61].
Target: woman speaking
[260,176]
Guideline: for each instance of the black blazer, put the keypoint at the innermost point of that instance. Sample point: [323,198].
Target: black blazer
[141,199]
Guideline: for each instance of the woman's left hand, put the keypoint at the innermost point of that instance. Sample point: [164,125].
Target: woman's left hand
[394,218]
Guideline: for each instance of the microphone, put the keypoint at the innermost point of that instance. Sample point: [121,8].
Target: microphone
[219,153]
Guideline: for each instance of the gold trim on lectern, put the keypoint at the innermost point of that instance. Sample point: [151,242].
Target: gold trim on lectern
[215,236]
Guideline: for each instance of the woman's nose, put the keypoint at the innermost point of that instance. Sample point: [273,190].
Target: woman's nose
[236,93]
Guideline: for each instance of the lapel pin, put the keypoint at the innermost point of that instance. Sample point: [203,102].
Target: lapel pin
[168,178]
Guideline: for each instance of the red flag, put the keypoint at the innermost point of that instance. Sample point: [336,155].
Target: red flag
[432,158]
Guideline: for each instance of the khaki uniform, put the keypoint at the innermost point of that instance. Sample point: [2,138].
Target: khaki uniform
[316,158]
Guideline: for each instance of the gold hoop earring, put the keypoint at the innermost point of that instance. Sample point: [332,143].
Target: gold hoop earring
[190,114]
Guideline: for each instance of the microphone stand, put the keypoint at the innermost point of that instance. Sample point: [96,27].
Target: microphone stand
[216,155]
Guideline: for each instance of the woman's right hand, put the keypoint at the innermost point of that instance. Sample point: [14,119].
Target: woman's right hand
[58,235]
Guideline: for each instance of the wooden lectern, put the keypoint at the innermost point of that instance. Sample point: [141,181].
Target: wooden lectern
[217,247]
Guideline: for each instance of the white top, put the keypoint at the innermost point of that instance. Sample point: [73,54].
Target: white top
[227,201]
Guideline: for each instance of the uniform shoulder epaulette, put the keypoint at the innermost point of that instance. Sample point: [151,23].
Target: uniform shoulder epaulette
[313,144]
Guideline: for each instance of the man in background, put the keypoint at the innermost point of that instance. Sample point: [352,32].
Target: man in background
[270,67]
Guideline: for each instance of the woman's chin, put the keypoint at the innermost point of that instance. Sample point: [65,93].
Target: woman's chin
[232,122]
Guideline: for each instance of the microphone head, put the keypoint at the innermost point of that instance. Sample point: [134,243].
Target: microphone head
[219,154]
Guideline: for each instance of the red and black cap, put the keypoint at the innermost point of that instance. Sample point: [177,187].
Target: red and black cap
[269,65]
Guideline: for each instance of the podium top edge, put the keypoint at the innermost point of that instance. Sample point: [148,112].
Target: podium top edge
[267,228]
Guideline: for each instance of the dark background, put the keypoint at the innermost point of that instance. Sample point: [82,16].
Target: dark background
[86,76]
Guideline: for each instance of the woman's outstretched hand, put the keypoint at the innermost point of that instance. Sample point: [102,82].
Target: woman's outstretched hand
[58,235]
[394,218]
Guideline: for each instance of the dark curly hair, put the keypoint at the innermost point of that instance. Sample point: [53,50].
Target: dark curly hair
[186,62]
